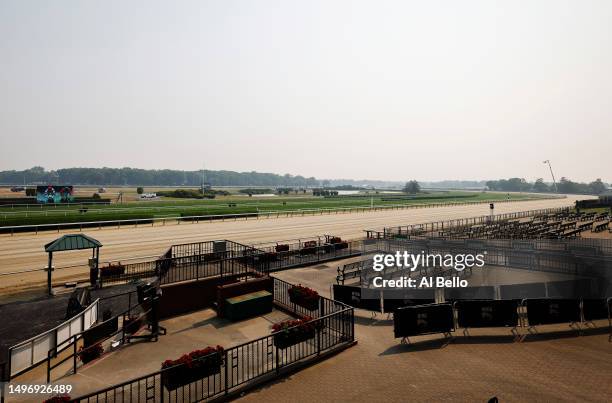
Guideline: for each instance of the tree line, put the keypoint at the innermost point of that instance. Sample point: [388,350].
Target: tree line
[564,185]
[150,177]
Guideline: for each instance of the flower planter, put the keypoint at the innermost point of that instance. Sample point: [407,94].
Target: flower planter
[132,325]
[284,339]
[58,399]
[310,304]
[282,248]
[309,248]
[305,297]
[342,245]
[90,353]
[192,367]
[183,375]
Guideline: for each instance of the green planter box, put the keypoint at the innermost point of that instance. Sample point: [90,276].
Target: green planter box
[248,305]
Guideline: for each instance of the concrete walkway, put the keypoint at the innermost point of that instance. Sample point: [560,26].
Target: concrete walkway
[556,365]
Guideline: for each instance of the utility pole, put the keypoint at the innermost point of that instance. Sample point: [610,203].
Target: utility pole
[553,175]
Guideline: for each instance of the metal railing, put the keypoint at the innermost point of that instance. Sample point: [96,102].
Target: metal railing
[247,364]
[239,216]
[54,355]
[32,352]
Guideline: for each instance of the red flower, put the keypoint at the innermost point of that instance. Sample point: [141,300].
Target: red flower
[58,399]
[303,293]
[299,324]
[191,359]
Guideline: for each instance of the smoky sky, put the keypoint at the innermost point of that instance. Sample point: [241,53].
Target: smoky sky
[390,90]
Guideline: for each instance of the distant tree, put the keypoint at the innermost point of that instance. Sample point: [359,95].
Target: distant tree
[598,187]
[139,190]
[540,186]
[325,183]
[412,187]
[567,186]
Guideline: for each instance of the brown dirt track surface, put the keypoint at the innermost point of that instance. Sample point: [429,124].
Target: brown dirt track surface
[26,251]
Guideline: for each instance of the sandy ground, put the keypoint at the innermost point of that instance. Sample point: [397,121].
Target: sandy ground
[26,251]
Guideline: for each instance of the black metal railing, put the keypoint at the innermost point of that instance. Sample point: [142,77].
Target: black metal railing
[245,364]
[271,260]
[70,350]
[238,259]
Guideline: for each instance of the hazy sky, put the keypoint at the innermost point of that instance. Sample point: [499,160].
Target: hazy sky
[334,89]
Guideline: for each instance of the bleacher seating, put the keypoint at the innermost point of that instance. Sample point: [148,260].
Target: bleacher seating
[549,226]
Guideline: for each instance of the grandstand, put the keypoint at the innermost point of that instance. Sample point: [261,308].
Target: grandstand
[561,224]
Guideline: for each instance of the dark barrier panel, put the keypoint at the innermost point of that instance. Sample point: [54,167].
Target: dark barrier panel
[545,311]
[352,296]
[487,313]
[391,305]
[394,299]
[423,319]
[484,292]
[347,294]
[594,309]
[570,289]
[522,291]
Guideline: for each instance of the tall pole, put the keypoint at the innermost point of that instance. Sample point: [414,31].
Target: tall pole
[49,270]
[552,174]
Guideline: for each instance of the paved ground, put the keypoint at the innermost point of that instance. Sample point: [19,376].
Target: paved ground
[25,251]
[554,366]
[185,333]
[25,319]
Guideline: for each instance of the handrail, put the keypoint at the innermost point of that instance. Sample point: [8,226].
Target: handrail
[47,333]
[55,328]
[228,353]
[54,353]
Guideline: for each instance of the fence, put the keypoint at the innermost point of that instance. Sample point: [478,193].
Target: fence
[300,255]
[34,351]
[233,258]
[218,249]
[212,218]
[107,333]
[244,365]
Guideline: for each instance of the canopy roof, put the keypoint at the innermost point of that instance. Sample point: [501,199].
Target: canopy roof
[72,242]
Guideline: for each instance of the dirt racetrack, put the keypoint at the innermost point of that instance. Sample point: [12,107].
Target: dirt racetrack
[26,251]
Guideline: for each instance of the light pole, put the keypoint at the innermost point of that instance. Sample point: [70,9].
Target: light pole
[552,174]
